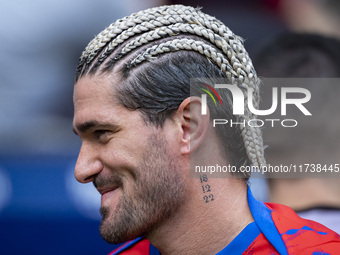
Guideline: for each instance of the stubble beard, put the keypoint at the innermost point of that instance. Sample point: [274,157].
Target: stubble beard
[158,194]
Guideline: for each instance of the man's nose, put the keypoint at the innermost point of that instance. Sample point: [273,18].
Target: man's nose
[88,164]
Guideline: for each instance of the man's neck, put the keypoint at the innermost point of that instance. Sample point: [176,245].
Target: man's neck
[208,220]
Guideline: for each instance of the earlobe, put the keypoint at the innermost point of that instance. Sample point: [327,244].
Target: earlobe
[194,125]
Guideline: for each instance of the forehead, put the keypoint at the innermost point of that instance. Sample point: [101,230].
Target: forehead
[93,85]
[94,98]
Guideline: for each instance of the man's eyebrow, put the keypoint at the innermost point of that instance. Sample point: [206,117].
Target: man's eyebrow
[84,127]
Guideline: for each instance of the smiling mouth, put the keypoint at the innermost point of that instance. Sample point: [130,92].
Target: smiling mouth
[108,195]
[105,190]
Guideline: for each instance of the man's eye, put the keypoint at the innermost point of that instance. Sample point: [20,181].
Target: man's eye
[101,134]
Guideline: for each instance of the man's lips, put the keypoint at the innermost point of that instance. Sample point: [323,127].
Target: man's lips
[108,195]
[104,190]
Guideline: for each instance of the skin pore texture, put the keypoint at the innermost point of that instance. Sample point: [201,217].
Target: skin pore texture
[143,173]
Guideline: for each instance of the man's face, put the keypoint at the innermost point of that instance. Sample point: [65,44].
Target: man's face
[133,165]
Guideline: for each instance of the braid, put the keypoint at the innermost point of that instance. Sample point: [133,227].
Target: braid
[218,44]
[175,29]
[188,44]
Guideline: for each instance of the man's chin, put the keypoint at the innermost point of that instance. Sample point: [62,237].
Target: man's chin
[116,230]
[113,235]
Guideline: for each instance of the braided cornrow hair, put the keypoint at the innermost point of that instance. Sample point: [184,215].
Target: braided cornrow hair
[179,41]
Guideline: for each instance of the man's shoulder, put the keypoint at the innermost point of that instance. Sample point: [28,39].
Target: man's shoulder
[139,246]
[302,235]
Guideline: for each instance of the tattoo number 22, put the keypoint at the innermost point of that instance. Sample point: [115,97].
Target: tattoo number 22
[209,198]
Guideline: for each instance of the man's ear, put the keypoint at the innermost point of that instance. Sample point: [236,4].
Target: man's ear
[194,125]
